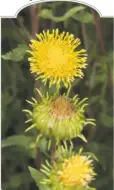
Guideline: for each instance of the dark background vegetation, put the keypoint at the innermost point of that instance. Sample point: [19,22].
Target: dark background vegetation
[18,149]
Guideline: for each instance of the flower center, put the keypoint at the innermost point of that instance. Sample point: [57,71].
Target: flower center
[61,108]
[57,58]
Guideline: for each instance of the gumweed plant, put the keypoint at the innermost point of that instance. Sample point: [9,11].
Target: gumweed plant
[55,58]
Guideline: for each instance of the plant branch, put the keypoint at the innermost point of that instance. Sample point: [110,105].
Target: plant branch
[37,160]
[34,13]
[34,17]
[98,31]
[84,35]
[53,150]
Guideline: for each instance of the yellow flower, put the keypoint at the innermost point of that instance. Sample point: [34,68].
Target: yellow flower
[55,57]
[76,171]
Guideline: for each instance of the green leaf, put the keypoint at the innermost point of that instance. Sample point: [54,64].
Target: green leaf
[42,144]
[16,54]
[47,14]
[17,140]
[54,4]
[38,176]
[84,17]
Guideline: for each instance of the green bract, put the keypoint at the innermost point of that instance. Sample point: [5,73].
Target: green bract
[60,117]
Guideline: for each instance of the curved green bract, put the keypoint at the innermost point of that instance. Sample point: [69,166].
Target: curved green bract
[61,127]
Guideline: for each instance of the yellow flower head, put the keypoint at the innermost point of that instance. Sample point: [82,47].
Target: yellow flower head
[55,57]
[72,173]
[76,171]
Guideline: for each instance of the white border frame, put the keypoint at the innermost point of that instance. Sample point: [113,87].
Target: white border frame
[43,1]
[104,9]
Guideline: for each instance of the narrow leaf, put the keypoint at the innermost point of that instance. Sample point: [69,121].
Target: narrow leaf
[38,177]
[16,54]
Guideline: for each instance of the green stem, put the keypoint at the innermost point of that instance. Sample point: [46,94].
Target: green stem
[53,150]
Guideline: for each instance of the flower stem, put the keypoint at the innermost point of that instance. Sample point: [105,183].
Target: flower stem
[53,150]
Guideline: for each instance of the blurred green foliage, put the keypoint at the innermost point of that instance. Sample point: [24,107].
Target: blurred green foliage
[18,149]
